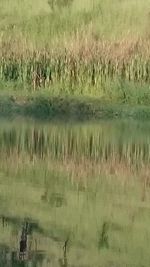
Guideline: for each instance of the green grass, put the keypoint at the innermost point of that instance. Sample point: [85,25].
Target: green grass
[67,108]
[35,21]
[80,49]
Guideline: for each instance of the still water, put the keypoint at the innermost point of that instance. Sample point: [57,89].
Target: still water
[74,195]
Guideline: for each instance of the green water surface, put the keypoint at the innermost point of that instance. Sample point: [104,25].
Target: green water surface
[74,195]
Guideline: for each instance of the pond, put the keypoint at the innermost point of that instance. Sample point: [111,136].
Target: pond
[74,195]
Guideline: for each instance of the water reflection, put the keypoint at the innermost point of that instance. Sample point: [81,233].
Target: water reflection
[59,208]
[23,242]
[124,141]
[64,261]
[26,251]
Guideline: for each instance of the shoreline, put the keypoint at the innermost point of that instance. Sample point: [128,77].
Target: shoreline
[69,108]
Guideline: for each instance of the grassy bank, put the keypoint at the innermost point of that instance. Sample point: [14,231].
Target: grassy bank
[68,108]
[94,49]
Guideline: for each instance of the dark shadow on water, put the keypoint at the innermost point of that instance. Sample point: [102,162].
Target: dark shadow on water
[63,262]
[23,241]
[23,255]
[11,258]
[17,222]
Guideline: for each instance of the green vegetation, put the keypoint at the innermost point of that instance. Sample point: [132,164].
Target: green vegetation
[83,190]
[36,22]
[66,108]
[85,49]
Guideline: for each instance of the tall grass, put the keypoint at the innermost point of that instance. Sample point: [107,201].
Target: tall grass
[81,48]
[92,67]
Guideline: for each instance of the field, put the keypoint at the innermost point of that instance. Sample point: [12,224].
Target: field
[76,49]
[38,23]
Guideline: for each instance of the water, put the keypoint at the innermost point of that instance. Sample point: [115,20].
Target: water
[74,195]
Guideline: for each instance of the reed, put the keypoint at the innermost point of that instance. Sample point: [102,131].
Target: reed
[80,69]
[66,51]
